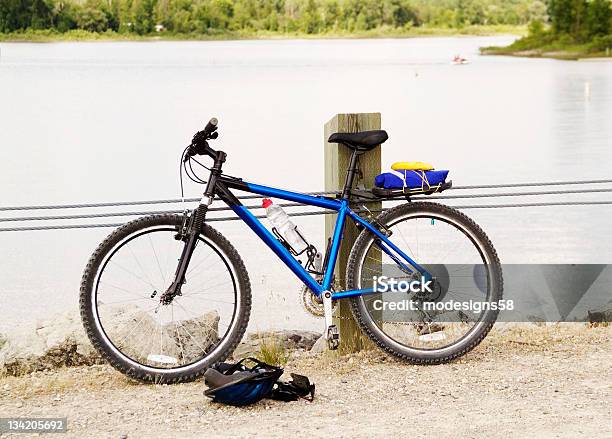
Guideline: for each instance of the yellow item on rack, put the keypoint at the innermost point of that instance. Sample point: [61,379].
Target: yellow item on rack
[411,166]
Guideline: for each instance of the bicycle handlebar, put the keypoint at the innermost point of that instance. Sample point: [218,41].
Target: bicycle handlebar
[199,143]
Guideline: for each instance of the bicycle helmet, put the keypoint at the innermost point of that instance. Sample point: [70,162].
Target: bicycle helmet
[238,385]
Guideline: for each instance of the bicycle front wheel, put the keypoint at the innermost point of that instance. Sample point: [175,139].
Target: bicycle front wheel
[151,340]
[466,269]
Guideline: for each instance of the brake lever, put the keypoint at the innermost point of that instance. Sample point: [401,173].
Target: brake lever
[195,149]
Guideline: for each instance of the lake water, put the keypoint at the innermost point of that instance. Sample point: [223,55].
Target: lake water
[82,122]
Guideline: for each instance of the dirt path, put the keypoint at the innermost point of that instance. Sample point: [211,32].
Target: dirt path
[553,382]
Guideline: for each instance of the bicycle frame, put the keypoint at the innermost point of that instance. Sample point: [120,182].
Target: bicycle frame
[223,185]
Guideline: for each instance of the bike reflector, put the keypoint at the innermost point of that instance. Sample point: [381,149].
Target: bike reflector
[163,359]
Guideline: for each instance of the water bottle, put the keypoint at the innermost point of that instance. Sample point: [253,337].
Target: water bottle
[280,221]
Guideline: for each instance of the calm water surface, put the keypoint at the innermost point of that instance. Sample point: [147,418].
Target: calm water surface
[86,122]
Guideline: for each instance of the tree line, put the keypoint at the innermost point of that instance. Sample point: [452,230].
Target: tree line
[583,25]
[277,16]
[580,20]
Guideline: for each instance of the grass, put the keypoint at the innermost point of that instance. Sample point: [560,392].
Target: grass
[273,351]
[383,32]
[544,43]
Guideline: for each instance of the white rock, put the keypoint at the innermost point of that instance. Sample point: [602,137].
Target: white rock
[320,345]
[61,340]
[291,340]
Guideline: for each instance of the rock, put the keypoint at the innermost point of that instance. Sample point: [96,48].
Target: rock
[320,345]
[291,340]
[61,341]
[294,339]
[34,347]
[602,314]
[120,324]
[196,335]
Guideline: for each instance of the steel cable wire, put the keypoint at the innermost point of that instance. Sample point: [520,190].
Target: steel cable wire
[326,212]
[246,197]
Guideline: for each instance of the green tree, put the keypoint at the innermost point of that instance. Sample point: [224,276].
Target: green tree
[460,14]
[599,18]
[65,16]
[42,14]
[14,15]
[579,29]
[91,19]
[221,13]
[330,14]
[402,13]
[143,16]
[310,18]
[560,12]
[537,11]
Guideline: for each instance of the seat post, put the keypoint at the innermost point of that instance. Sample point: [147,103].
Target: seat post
[350,175]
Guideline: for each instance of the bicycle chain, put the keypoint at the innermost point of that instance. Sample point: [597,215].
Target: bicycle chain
[307,297]
[317,311]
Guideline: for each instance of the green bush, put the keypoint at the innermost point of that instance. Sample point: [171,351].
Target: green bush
[601,44]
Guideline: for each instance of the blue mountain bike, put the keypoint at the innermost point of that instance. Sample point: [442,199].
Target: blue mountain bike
[165,296]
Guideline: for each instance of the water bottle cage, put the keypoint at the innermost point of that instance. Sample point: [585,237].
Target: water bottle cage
[310,250]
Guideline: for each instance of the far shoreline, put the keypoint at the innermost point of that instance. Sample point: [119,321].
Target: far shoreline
[559,54]
[43,36]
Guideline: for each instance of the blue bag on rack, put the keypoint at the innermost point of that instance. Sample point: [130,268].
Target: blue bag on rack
[411,179]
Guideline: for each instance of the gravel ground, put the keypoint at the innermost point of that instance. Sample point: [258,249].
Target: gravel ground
[551,382]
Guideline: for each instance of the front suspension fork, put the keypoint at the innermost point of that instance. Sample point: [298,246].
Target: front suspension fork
[196,224]
[193,231]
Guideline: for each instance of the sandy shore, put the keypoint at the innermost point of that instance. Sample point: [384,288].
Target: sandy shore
[540,382]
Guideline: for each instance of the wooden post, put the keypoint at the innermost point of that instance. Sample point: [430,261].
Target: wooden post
[336,163]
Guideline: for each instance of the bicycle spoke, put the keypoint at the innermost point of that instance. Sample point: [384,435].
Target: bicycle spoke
[208,299]
[191,337]
[406,242]
[213,286]
[127,301]
[129,247]
[177,337]
[199,263]
[132,273]
[416,226]
[156,259]
[123,289]
[137,325]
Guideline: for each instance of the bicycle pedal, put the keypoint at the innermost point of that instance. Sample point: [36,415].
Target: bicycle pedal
[333,337]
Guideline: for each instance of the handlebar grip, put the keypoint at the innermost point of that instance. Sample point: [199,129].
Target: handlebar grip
[211,126]
[199,144]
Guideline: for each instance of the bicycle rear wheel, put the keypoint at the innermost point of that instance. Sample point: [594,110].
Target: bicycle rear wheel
[139,334]
[457,252]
